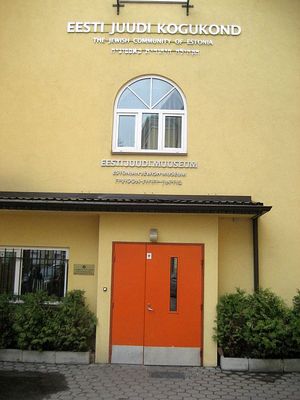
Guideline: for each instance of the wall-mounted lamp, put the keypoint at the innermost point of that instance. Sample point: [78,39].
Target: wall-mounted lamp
[153,235]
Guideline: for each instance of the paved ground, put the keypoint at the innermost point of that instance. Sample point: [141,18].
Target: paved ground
[126,382]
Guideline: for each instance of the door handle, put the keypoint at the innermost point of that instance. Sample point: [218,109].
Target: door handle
[149,307]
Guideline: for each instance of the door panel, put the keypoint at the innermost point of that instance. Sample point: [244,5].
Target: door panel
[181,328]
[172,356]
[156,304]
[128,294]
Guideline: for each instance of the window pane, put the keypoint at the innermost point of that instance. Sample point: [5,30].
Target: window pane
[142,89]
[173,283]
[129,100]
[43,270]
[172,102]
[126,134]
[150,132]
[159,89]
[173,131]
[7,271]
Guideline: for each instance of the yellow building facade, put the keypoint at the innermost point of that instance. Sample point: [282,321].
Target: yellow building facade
[140,141]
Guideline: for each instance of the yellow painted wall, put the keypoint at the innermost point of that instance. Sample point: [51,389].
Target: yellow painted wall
[57,97]
[76,232]
[171,229]
[58,92]
[235,254]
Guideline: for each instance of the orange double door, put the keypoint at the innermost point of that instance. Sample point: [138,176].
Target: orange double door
[157,304]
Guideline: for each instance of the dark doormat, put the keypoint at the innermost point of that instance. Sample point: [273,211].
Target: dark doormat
[27,385]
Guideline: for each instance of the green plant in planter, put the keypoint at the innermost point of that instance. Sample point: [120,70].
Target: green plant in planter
[267,326]
[231,318]
[296,303]
[6,321]
[33,322]
[40,323]
[257,325]
[74,324]
[293,340]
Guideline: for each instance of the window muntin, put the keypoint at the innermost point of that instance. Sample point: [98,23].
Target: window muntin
[160,89]
[30,270]
[172,101]
[142,89]
[150,117]
[130,100]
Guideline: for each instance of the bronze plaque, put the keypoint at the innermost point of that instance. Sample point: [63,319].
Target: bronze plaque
[84,269]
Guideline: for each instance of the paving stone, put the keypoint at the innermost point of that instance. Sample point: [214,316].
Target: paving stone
[116,382]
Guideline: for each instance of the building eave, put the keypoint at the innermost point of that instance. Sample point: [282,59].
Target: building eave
[103,202]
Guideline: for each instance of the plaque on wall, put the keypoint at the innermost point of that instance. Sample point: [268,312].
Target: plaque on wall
[84,269]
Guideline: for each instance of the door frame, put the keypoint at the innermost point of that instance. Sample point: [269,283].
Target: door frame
[202,275]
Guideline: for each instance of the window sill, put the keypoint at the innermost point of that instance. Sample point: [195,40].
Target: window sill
[49,303]
[151,153]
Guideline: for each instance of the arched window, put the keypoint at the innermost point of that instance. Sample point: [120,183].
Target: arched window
[150,117]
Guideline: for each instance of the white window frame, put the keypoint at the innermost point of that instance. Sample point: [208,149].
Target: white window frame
[138,113]
[18,266]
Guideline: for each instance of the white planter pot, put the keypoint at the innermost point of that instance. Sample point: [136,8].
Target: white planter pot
[13,355]
[48,357]
[234,364]
[259,365]
[291,365]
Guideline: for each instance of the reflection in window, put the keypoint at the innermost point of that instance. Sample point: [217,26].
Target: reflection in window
[142,90]
[33,270]
[43,270]
[130,100]
[171,102]
[172,131]
[150,131]
[173,283]
[126,131]
[160,89]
